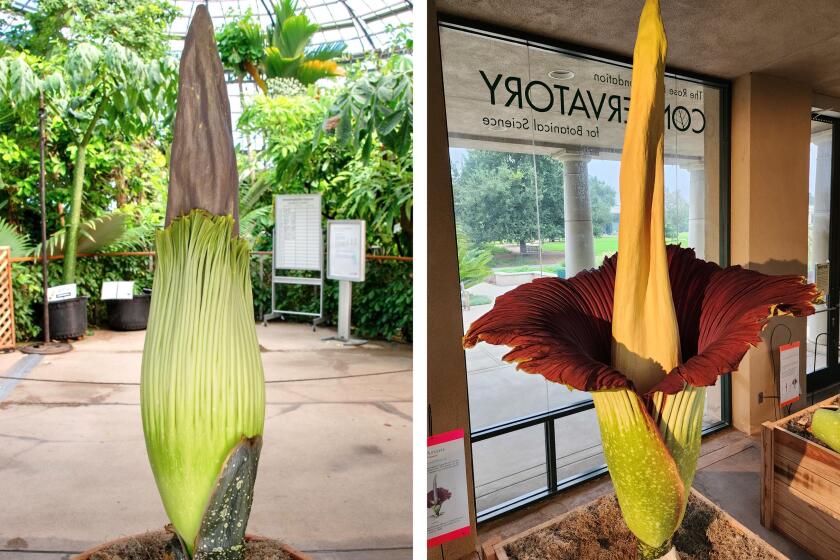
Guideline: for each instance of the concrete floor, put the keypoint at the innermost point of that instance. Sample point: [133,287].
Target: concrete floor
[335,470]
[728,474]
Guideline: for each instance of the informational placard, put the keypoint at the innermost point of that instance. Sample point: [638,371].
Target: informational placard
[788,373]
[821,277]
[297,232]
[346,250]
[117,290]
[59,293]
[447,509]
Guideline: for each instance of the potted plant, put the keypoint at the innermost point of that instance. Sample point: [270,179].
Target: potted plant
[648,331]
[129,314]
[202,394]
[68,318]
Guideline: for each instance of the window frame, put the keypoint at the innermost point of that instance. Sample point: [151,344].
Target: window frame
[547,419]
[830,375]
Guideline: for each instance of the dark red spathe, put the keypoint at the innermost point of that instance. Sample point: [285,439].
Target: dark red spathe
[561,328]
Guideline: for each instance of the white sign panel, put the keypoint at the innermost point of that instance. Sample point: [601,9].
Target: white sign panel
[59,293]
[447,509]
[346,250]
[298,241]
[117,290]
[788,373]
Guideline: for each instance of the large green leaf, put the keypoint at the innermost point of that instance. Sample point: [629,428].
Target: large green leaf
[326,51]
[295,33]
[18,84]
[19,243]
[82,64]
[94,235]
[279,66]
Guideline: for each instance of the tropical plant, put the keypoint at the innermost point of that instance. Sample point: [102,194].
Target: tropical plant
[19,243]
[648,331]
[376,106]
[94,235]
[288,54]
[202,394]
[105,86]
[96,86]
[242,47]
[138,25]
[473,261]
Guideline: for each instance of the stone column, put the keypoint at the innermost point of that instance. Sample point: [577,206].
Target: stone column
[819,233]
[697,208]
[577,212]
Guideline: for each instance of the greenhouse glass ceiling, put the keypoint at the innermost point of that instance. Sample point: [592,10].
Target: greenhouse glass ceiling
[364,25]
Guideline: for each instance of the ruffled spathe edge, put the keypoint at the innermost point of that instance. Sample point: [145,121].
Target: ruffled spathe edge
[561,328]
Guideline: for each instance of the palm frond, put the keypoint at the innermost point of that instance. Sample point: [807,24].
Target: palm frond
[94,235]
[326,51]
[19,243]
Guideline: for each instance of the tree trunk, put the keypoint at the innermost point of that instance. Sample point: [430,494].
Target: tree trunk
[72,237]
[122,191]
[522,247]
[255,74]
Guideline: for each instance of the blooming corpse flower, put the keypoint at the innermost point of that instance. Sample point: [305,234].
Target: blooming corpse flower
[645,333]
[561,328]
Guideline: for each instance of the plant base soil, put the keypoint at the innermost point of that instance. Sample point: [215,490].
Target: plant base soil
[151,546]
[598,532]
[801,425]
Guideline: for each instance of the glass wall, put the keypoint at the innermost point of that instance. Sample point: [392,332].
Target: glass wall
[535,138]
[819,213]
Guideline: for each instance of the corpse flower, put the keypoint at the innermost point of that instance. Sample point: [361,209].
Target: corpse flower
[646,332]
[436,497]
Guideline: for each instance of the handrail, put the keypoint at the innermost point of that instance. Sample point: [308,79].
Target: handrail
[152,253]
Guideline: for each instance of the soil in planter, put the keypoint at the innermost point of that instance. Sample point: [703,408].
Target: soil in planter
[597,532]
[150,546]
[801,425]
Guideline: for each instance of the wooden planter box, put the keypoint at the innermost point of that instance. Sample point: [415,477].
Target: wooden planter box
[498,548]
[800,487]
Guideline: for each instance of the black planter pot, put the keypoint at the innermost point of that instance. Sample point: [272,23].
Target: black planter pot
[68,318]
[129,314]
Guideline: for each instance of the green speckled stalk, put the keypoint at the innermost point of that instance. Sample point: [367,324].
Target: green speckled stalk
[644,552]
[202,386]
[826,426]
[652,459]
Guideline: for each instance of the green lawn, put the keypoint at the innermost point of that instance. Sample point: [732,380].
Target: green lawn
[604,246]
[549,268]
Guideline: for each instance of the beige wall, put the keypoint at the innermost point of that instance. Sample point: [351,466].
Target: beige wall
[769,216]
[447,370]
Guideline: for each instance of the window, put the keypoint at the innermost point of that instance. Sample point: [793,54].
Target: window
[822,342]
[535,137]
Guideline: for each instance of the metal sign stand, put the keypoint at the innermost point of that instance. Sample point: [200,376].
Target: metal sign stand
[339,251]
[345,303]
[278,280]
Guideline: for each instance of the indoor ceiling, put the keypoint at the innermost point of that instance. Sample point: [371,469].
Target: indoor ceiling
[798,40]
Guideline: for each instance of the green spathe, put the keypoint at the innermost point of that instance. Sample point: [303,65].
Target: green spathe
[826,426]
[202,385]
